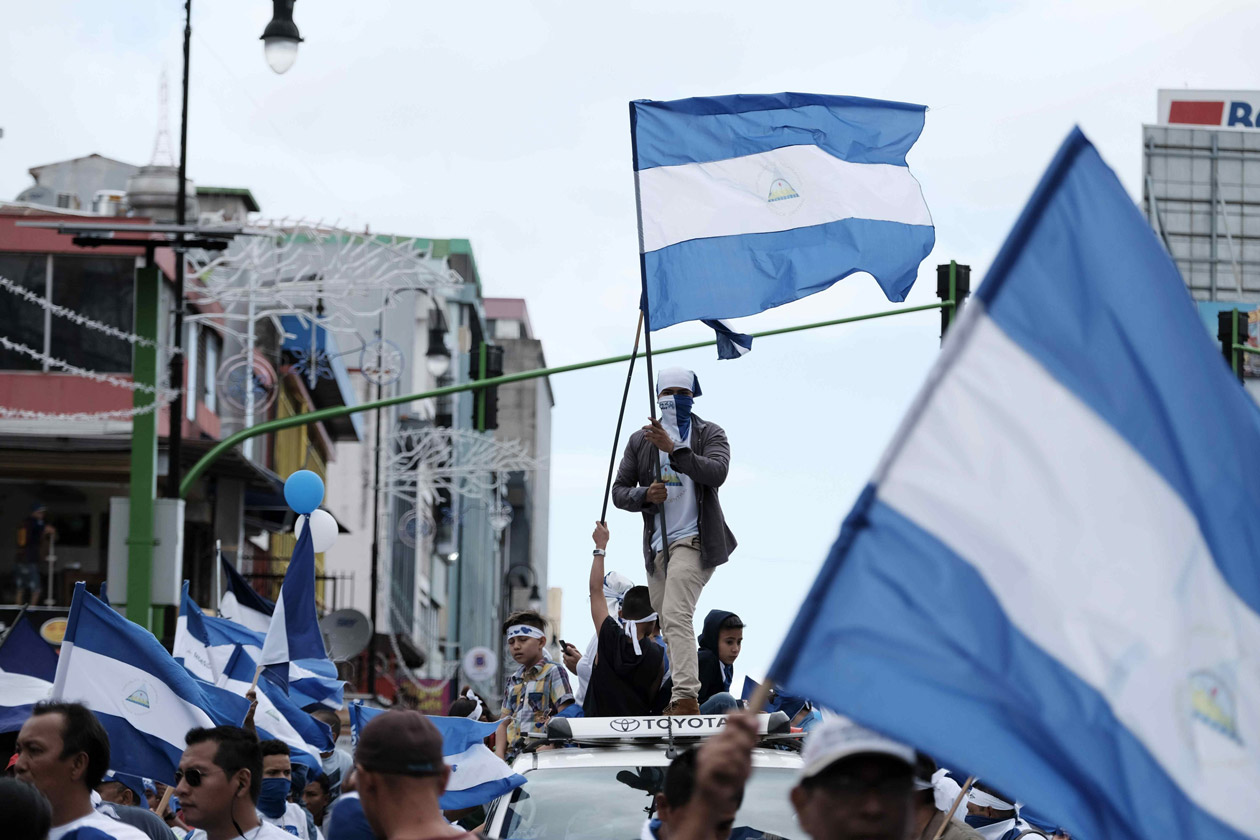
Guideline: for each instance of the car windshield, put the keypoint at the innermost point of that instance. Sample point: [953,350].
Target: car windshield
[612,802]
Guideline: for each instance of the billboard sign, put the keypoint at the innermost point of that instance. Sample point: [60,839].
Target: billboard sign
[1239,109]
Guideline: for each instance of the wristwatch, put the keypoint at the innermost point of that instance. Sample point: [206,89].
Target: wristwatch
[600,552]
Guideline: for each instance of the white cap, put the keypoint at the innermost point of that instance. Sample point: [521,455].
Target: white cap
[841,738]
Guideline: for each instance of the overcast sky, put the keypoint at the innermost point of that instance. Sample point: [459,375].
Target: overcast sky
[506,123]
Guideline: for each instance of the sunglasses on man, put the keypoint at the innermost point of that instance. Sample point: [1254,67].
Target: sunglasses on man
[193,775]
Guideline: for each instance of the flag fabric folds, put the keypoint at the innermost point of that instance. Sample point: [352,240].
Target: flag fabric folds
[18,695]
[25,652]
[240,603]
[294,630]
[145,700]
[204,643]
[748,202]
[478,775]
[277,715]
[730,344]
[1051,579]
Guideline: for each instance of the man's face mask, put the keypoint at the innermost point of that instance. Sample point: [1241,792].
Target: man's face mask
[676,416]
[271,799]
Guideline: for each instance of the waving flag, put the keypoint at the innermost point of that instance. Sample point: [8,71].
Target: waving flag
[276,713]
[478,775]
[145,700]
[18,695]
[294,630]
[204,643]
[1052,578]
[730,344]
[240,603]
[750,202]
[24,651]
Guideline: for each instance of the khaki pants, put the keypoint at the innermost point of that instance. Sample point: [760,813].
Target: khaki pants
[674,589]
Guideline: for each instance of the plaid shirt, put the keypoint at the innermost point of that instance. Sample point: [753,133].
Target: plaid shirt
[533,696]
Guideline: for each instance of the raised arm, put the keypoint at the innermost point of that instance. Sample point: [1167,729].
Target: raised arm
[599,607]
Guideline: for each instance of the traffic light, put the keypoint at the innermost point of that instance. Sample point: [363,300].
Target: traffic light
[485,362]
[1231,329]
[961,289]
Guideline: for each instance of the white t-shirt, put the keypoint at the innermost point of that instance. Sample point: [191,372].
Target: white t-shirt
[336,767]
[682,512]
[265,831]
[114,828]
[584,666]
[292,821]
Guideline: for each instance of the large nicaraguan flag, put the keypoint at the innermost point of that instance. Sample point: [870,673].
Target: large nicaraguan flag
[1053,579]
[478,775]
[752,201]
[144,698]
[294,630]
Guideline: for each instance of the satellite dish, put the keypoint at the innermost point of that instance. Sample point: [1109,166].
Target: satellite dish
[45,196]
[347,633]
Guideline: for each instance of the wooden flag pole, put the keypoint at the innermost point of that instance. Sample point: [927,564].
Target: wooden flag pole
[962,794]
[257,673]
[166,800]
[625,395]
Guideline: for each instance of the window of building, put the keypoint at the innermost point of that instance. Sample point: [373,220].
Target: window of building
[100,288]
[21,321]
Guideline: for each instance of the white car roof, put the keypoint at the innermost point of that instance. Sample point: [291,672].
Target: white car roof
[633,755]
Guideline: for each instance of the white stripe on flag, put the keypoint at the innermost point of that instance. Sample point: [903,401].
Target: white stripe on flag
[783,189]
[275,649]
[477,765]
[22,690]
[1025,482]
[113,687]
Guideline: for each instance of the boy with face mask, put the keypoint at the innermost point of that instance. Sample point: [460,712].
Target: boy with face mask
[692,457]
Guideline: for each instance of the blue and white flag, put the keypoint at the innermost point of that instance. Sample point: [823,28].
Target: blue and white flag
[752,201]
[294,631]
[240,603]
[144,698]
[204,643]
[18,695]
[277,715]
[25,652]
[730,344]
[478,775]
[1052,579]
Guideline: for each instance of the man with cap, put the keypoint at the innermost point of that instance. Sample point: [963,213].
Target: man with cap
[401,775]
[853,783]
[692,457]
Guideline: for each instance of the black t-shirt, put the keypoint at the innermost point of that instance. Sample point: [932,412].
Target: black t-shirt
[623,683]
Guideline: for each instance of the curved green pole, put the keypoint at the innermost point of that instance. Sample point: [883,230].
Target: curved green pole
[228,442]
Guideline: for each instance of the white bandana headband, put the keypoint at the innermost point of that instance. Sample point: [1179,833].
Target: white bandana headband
[985,800]
[630,625]
[677,377]
[475,714]
[525,630]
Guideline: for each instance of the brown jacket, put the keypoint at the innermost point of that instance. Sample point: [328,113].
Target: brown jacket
[706,463]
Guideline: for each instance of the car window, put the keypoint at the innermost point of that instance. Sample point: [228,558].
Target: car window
[612,802]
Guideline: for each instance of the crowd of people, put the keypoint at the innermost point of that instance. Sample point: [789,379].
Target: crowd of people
[642,659]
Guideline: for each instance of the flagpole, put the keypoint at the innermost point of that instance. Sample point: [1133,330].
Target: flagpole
[218,577]
[645,312]
[625,395]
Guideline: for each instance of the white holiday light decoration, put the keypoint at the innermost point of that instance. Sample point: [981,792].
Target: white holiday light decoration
[460,461]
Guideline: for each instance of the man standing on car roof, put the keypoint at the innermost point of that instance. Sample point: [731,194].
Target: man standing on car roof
[692,457]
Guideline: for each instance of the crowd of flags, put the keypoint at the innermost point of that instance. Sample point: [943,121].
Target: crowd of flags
[147,698]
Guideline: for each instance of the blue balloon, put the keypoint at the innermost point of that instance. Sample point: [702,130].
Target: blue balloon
[304,490]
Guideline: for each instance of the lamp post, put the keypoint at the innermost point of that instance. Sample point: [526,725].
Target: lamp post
[280,38]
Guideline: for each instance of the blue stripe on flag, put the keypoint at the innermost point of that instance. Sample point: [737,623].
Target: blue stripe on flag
[730,344]
[12,717]
[784,266]
[921,648]
[245,595]
[851,128]
[1092,330]
[25,652]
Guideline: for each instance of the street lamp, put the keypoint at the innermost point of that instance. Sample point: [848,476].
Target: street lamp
[280,38]
[535,597]
[438,358]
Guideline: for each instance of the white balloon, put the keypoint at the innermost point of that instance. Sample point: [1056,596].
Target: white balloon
[323,530]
